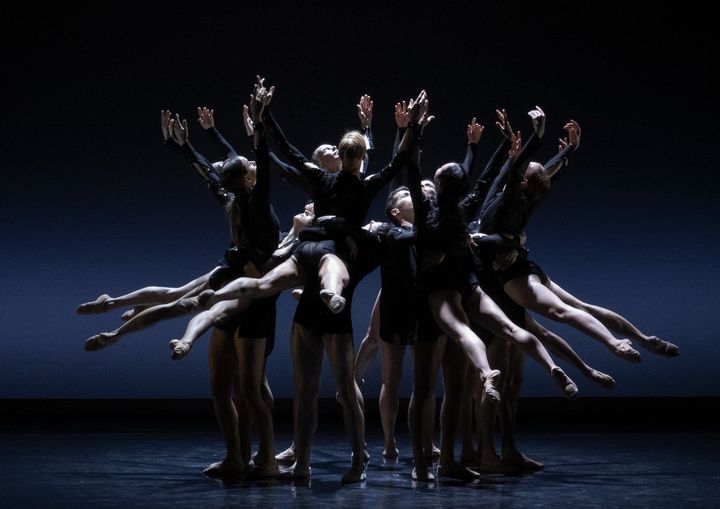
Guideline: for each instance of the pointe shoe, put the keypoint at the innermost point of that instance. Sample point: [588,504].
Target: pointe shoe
[603,379]
[624,350]
[490,386]
[99,305]
[100,341]
[286,457]
[422,474]
[179,349]
[660,347]
[564,382]
[335,302]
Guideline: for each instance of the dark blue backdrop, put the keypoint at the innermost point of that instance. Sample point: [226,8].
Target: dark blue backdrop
[92,202]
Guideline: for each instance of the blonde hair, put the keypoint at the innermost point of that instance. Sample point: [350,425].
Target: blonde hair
[352,146]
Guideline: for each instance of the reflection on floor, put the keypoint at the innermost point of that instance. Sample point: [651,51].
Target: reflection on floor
[158,464]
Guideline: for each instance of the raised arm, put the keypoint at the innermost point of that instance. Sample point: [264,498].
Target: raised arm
[206,117]
[177,133]
[259,102]
[474,133]
[365,109]
[567,145]
[417,115]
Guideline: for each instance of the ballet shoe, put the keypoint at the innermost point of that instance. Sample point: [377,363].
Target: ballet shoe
[658,346]
[335,302]
[490,386]
[564,382]
[99,305]
[624,350]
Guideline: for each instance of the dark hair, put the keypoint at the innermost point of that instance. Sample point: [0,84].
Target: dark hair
[232,174]
[446,220]
[538,181]
[391,202]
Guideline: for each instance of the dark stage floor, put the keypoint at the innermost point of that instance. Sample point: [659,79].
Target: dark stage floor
[157,463]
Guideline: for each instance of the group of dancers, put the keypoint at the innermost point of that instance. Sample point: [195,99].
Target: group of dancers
[456,285]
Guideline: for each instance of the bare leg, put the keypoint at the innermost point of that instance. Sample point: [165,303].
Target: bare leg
[454,366]
[499,355]
[486,313]
[340,353]
[559,346]
[150,295]
[468,454]
[530,293]
[392,368]
[143,320]
[251,362]
[451,318]
[213,317]
[369,345]
[223,371]
[512,458]
[427,356]
[286,275]
[307,355]
[334,278]
[617,323]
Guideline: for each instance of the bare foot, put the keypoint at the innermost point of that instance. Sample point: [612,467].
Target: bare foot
[335,302]
[224,468]
[564,382]
[422,473]
[179,349]
[295,472]
[490,386]
[456,471]
[656,345]
[601,378]
[100,341]
[522,462]
[623,349]
[287,457]
[99,305]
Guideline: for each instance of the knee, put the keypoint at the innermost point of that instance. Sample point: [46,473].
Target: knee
[221,390]
[558,313]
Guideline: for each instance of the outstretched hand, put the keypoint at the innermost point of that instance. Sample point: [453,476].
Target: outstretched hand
[537,115]
[474,131]
[417,109]
[179,130]
[247,121]
[364,109]
[205,117]
[401,115]
[165,118]
[573,130]
[503,123]
[259,100]
[515,144]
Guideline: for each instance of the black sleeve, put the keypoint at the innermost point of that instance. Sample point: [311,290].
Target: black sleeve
[561,156]
[296,158]
[468,163]
[398,138]
[289,174]
[261,192]
[204,168]
[378,180]
[222,143]
[420,203]
[480,190]
[519,165]
[367,132]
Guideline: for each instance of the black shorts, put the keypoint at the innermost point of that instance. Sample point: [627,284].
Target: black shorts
[522,267]
[257,321]
[309,253]
[313,314]
[399,317]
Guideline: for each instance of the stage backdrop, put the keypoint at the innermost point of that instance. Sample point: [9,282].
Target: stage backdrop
[92,202]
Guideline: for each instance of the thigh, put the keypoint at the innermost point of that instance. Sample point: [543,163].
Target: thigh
[222,359]
[340,350]
[306,349]
[530,293]
[251,362]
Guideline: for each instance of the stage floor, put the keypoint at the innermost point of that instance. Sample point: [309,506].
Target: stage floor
[158,463]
